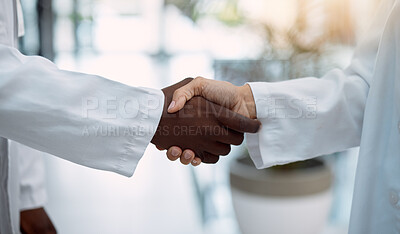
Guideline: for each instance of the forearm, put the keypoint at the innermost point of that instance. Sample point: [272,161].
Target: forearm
[83,118]
[31,175]
[307,117]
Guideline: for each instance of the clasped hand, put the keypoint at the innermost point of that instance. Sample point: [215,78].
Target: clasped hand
[203,119]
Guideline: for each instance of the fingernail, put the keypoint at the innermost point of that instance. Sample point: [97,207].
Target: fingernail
[194,161]
[171,105]
[187,155]
[175,152]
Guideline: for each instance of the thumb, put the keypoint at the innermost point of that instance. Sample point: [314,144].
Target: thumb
[184,94]
[178,103]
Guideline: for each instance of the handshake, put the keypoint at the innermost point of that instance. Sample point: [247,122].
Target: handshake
[202,118]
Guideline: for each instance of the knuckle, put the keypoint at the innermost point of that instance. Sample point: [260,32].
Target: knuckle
[239,140]
[211,159]
[199,80]
[215,159]
[226,150]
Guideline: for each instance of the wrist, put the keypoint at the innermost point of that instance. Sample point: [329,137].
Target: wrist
[248,98]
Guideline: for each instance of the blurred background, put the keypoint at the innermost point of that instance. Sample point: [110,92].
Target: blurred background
[154,43]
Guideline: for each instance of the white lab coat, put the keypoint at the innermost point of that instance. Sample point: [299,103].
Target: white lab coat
[358,106]
[31,175]
[82,118]
[28,175]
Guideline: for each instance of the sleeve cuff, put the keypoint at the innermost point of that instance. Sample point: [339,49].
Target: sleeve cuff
[263,155]
[32,200]
[151,111]
[260,95]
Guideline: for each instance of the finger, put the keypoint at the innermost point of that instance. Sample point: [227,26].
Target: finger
[196,161]
[173,153]
[179,101]
[229,136]
[237,121]
[209,158]
[160,148]
[187,157]
[185,93]
[218,148]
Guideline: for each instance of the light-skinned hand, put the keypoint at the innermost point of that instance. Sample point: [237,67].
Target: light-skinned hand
[213,128]
[236,98]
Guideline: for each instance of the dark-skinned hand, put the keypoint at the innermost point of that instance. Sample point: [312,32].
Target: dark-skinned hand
[36,221]
[204,127]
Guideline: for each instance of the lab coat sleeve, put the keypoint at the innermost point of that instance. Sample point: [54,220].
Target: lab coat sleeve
[31,176]
[82,118]
[309,117]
